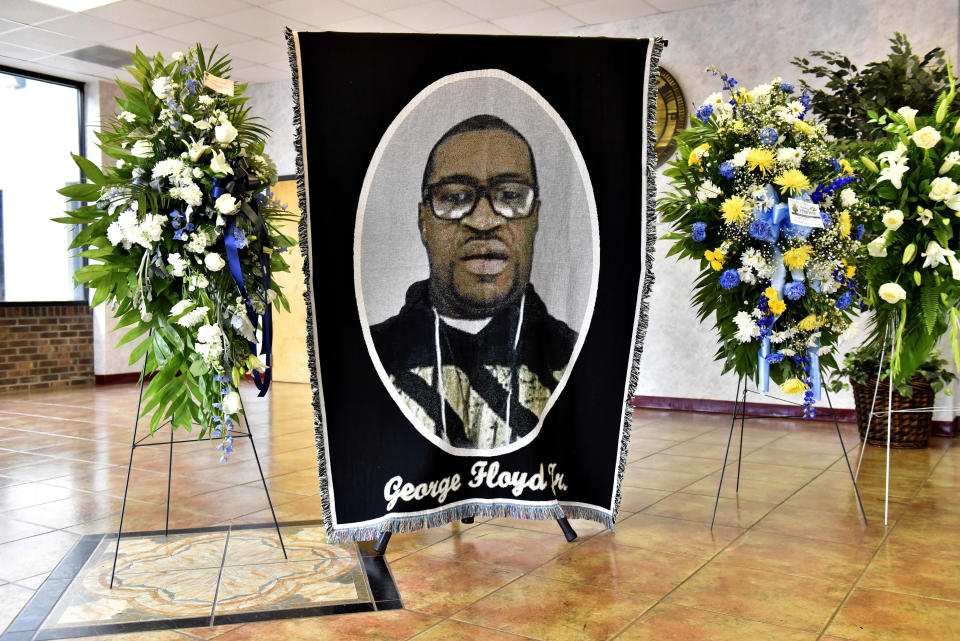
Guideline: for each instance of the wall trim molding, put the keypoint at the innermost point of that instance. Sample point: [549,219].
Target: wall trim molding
[943,429]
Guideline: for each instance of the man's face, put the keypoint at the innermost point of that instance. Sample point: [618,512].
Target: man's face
[480,263]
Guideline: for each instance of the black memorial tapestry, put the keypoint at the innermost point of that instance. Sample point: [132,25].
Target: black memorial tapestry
[478,235]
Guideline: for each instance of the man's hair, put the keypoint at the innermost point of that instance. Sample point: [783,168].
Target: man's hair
[482,122]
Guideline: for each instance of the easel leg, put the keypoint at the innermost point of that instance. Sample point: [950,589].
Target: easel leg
[845,457]
[733,422]
[743,418]
[382,541]
[873,406]
[567,530]
[166,525]
[262,478]
[886,490]
[126,486]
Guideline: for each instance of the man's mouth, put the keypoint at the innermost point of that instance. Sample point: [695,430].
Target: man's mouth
[485,263]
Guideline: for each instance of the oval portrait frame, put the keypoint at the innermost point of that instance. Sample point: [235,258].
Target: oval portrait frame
[593,247]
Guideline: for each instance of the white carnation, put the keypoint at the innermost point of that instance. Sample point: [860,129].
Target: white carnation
[115,233]
[707,190]
[740,158]
[142,149]
[848,198]
[168,167]
[192,195]
[193,317]
[790,156]
[178,263]
[205,100]
[152,227]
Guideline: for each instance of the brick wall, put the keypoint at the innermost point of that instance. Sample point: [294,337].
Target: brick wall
[45,345]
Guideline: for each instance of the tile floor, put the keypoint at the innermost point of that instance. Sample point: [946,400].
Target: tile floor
[789,558]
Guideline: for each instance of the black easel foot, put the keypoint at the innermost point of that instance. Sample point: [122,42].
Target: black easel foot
[382,541]
[733,422]
[467,520]
[567,530]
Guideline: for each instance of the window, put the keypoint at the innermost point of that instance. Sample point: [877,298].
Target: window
[40,126]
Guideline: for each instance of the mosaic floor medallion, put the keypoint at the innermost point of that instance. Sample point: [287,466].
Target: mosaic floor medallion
[191,578]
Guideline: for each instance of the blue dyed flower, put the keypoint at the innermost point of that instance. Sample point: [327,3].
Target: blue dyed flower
[844,301]
[858,232]
[794,290]
[825,217]
[774,357]
[280,250]
[786,87]
[179,235]
[699,231]
[761,229]
[188,227]
[192,86]
[239,237]
[769,136]
[834,164]
[729,279]
[727,170]
[704,113]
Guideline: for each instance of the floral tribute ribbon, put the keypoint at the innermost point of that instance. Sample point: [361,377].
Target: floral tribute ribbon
[242,182]
[777,215]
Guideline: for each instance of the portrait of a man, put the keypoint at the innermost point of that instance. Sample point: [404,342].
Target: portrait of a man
[477,319]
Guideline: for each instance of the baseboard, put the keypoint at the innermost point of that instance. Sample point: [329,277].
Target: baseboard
[942,429]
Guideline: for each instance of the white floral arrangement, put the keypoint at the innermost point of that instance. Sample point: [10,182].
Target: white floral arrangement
[764,207]
[182,237]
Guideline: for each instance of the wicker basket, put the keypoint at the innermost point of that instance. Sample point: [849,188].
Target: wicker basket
[909,430]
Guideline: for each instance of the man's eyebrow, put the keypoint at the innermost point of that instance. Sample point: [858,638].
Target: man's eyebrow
[472,180]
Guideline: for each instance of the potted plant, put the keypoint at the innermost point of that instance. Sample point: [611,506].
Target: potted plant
[908,430]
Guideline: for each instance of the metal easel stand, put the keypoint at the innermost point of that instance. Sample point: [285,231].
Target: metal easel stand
[135,443]
[384,539]
[888,331]
[740,409]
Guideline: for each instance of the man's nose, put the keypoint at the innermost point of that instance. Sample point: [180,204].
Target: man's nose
[483,218]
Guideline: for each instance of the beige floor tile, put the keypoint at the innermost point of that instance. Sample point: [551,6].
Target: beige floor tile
[876,615]
[686,538]
[442,587]
[672,622]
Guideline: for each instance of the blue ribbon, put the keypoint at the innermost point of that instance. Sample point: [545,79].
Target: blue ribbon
[236,187]
[777,215]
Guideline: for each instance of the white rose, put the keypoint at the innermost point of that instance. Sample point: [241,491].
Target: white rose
[226,204]
[848,198]
[942,188]
[877,247]
[161,86]
[213,262]
[909,115]
[925,138]
[892,293]
[893,219]
[142,149]
[225,133]
[231,403]
[219,164]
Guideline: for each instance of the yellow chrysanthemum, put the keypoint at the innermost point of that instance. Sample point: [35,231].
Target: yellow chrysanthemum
[771,293]
[792,182]
[739,127]
[851,270]
[846,225]
[804,128]
[809,323]
[797,257]
[698,154]
[774,303]
[734,209]
[845,166]
[794,386]
[761,159]
[716,258]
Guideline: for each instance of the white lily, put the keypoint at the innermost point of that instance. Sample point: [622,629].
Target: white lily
[954,267]
[951,159]
[894,173]
[894,155]
[935,254]
[196,149]
[909,115]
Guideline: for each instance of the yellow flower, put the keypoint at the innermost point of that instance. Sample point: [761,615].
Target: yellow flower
[715,257]
[804,128]
[851,270]
[698,154]
[734,209]
[794,386]
[774,303]
[739,127]
[796,258]
[792,182]
[845,223]
[761,159]
[809,323]
[845,166]
[771,293]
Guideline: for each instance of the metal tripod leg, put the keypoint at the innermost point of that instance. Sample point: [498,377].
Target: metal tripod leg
[733,422]
[262,479]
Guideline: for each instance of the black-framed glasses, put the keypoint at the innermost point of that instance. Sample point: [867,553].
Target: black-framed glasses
[456,199]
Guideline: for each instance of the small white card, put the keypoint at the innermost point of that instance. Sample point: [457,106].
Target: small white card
[220,85]
[804,213]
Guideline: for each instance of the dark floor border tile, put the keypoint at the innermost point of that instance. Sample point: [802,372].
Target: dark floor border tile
[276,615]
[121,628]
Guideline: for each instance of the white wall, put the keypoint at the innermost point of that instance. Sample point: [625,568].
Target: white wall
[753,40]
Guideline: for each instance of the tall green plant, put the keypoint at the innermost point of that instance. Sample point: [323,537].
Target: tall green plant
[850,93]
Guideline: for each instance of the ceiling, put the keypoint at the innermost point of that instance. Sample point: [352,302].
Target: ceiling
[42,38]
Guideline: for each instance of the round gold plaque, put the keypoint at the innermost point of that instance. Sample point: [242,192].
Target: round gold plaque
[671,115]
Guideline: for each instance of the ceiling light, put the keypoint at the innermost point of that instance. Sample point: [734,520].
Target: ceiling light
[76,5]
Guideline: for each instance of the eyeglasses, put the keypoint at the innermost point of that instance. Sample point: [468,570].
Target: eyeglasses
[456,200]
